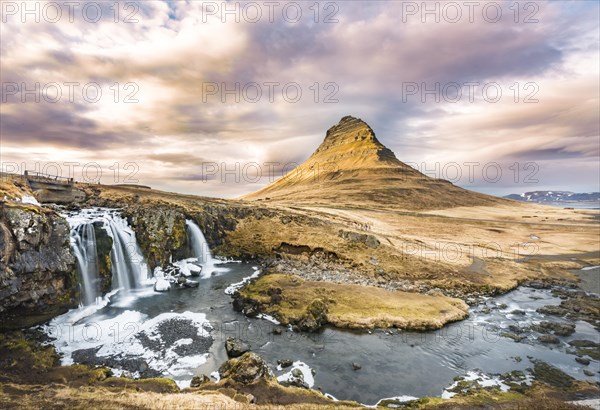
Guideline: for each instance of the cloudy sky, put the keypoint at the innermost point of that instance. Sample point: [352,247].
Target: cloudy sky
[193,96]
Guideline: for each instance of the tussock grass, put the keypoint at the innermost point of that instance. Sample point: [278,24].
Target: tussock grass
[354,306]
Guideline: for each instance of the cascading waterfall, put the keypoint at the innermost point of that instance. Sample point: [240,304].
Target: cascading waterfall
[83,242]
[129,268]
[200,248]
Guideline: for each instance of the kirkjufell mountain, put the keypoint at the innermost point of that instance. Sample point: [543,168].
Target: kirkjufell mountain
[352,167]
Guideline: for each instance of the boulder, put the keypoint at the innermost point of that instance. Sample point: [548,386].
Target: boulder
[198,381]
[247,369]
[191,284]
[559,329]
[285,363]
[368,240]
[549,339]
[235,347]
[315,316]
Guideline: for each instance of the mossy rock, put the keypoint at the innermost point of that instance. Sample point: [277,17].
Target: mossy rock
[315,316]
[592,352]
[551,375]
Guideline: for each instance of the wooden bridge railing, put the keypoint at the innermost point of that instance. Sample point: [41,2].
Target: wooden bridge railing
[40,177]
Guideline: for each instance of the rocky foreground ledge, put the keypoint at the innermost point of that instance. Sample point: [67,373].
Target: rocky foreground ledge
[31,378]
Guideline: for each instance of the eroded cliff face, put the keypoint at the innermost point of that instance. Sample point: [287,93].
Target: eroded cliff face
[104,245]
[38,274]
[160,232]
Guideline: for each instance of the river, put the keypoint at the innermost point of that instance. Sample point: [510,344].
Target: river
[196,322]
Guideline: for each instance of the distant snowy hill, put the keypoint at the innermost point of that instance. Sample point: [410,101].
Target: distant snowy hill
[555,196]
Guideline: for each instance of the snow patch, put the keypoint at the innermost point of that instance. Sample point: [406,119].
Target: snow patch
[26,199]
[231,289]
[188,266]
[117,337]
[482,379]
[397,399]
[306,373]
[269,318]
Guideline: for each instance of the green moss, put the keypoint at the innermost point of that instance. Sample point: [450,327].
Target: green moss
[26,352]
[592,352]
[25,207]
[550,375]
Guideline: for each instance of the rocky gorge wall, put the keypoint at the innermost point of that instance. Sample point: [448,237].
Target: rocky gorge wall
[162,234]
[38,274]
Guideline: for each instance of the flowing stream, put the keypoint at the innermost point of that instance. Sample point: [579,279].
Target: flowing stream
[129,268]
[83,241]
[181,333]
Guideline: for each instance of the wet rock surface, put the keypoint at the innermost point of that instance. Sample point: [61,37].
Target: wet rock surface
[559,329]
[549,339]
[104,245]
[296,379]
[575,305]
[285,363]
[38,276]
[235,347]
[551,375]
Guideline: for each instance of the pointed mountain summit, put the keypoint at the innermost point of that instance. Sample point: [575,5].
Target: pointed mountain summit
[351,167]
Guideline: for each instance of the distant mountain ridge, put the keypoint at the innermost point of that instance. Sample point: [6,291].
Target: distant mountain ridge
[351,167]
[555,196]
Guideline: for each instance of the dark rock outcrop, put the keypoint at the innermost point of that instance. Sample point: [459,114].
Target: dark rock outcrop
[549,339]
[160,232]
[285,363]
[103,248]
[247,369]
[38,275]
[315,316]
[198,381]
[235,347]
[559,329]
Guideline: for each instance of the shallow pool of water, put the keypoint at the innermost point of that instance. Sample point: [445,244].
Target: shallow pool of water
[393,363]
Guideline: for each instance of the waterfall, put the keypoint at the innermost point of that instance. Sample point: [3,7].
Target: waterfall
[200,249]
[129,268]
[83,242]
